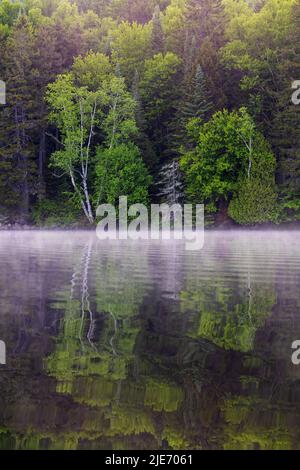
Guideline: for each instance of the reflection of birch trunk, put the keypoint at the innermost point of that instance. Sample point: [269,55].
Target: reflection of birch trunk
[73,282]
[80,277]
[2,353]
[111,342]
[85,301]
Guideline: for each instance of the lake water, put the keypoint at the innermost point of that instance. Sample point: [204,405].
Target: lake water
[144,345]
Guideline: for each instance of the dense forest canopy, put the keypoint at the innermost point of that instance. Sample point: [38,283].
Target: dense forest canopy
[161,100]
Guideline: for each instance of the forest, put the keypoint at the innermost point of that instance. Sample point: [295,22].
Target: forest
[176,101]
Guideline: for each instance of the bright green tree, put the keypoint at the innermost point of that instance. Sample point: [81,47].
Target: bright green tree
[120,171]
[255,202]
[228,149]
[75,111]
[130,47]
[85,105]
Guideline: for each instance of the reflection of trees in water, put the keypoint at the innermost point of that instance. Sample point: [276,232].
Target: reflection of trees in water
[134,368]
[95,314]
[80,281]
[252,325]
[230,308]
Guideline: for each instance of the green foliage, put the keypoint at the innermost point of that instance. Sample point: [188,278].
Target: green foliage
[18,121]
[9,12]
[119,123]
[197,104]
[157,34]
[92,70]
[212,168]
[285,128]
[163,396]
[193,109]
[255,40]
[228,149]
[71,108]
[142,140]
[120,171]
[159,95]
[130,47]
[103,103]
[156,83]
[173,22]
[51,213]
[182,60]
[255,203]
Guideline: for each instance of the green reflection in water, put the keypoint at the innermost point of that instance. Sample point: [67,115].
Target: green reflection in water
[188,355]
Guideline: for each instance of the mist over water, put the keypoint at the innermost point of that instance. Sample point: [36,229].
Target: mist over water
[144,345]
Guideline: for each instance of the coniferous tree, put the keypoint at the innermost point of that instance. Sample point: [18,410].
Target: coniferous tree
[285,131]
[159,92]
[205,21]
[157,35]
[195,104]
[18,121]
[142,139]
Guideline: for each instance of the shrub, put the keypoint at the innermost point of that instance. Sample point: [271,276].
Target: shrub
[255,203]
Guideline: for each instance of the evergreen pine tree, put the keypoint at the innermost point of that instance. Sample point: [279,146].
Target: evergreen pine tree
[285,132]
[205,21]
[195,104]
[17,121]
[142,139]
[157,36]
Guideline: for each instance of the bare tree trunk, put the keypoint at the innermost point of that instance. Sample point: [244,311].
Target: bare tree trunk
[84,204]
[87,201]
[85,163]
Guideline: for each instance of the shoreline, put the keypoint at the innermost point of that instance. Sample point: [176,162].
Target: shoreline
[16,227]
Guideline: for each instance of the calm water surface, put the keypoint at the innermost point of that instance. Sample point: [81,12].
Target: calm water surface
[143,345]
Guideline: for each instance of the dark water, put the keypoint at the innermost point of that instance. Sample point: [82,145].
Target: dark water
[128,345]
